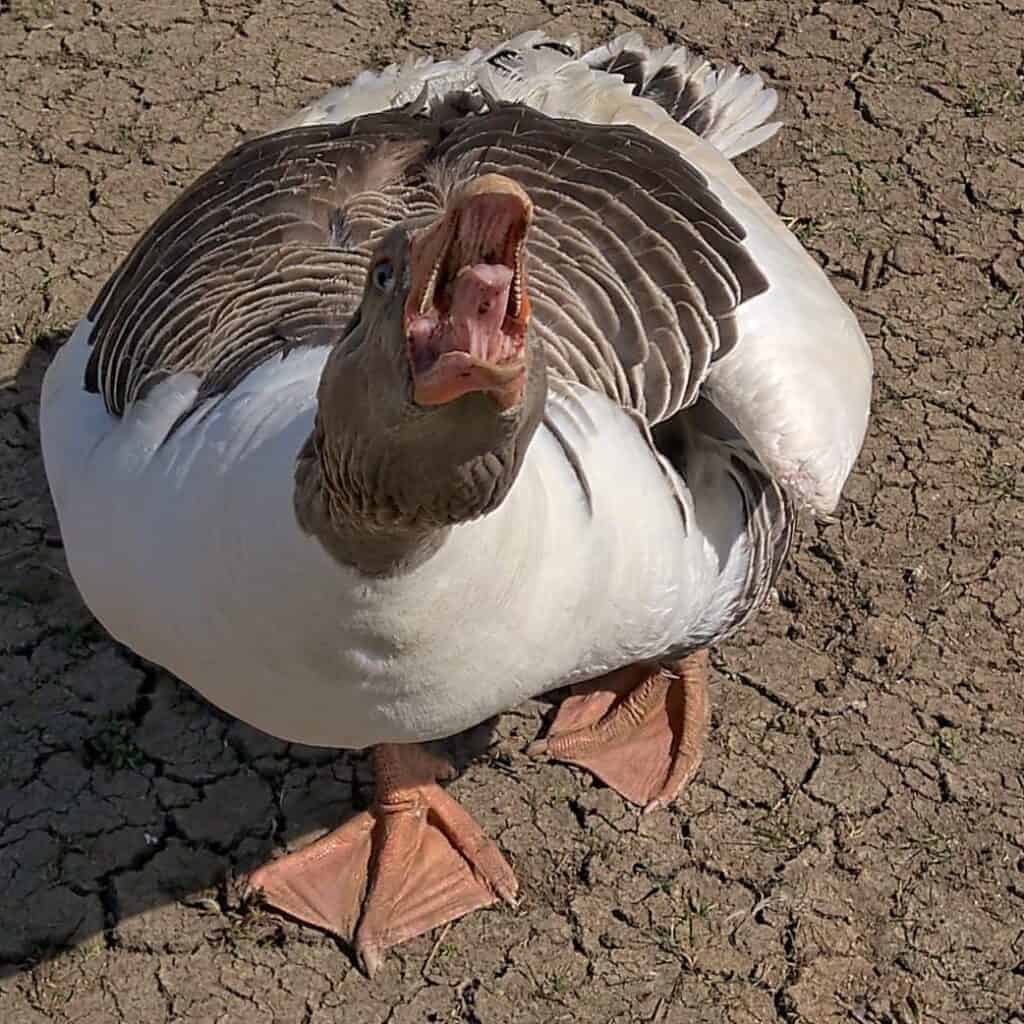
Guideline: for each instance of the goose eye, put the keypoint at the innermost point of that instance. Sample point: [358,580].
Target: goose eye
[383,276]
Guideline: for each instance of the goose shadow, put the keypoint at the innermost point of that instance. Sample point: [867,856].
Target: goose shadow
[130,809]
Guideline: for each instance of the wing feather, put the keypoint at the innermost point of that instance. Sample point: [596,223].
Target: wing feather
[658,265]
[636,267]
[278,232]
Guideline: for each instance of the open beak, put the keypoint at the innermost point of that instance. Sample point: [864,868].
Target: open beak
[467,311]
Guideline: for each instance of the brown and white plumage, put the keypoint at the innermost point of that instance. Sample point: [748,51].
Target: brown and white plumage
[249,493]
[659,280]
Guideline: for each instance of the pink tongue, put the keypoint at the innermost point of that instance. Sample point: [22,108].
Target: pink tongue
[479,303]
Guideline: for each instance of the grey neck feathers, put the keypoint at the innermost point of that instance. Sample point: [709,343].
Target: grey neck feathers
[381,482]
[385,509]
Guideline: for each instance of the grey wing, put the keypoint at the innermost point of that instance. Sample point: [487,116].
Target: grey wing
[636,268]
[768,513]
[265,251]
[770,519]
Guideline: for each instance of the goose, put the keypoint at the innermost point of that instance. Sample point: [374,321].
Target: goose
[475,379]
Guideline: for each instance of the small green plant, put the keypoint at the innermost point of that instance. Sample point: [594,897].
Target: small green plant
[113,747]
[888,173]
[1005,481]
[15,599]
[700,910]
[82,632]
[983,99]
[948,743]
[806,228]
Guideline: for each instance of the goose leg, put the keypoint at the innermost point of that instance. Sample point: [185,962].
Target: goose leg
[640,729]
[414,861]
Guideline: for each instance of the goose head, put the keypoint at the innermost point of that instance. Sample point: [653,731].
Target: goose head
[428,404]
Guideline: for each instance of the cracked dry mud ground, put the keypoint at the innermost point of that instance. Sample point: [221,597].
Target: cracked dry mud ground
[853,849]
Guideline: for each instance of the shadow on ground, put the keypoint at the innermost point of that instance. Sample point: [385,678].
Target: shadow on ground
[134,792]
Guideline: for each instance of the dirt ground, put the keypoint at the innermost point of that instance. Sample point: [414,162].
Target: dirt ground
[853,849]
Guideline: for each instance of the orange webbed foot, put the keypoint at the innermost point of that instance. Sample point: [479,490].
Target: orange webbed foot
[414,861]
[640,729]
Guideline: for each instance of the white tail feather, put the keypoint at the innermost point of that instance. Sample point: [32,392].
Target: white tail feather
[727,107]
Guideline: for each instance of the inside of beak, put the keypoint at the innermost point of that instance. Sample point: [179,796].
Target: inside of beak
[467,312]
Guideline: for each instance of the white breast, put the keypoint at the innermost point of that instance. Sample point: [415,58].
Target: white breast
[188,552]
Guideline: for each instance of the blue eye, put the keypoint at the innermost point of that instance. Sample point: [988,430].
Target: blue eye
[383,276]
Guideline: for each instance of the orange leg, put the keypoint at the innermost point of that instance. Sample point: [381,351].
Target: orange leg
[414,861]
[640,729]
